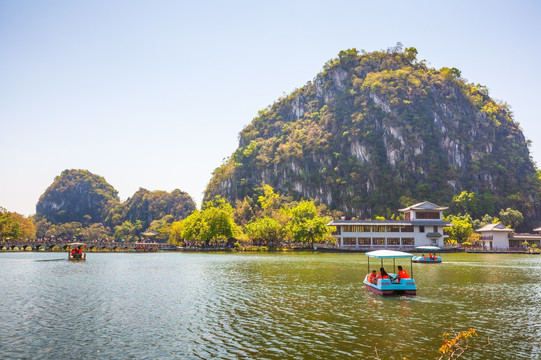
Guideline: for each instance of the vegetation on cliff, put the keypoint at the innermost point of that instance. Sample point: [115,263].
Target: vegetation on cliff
[77,195]
[83,205]
[375,131]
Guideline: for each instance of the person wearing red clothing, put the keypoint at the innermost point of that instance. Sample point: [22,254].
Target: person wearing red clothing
[402,274]
[372,277]
[382,274]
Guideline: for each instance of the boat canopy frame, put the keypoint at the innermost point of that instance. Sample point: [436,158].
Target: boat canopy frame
[389,254]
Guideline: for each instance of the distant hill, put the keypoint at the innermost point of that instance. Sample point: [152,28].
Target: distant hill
[375,131]
[77,195]
[148,205]
[80,196]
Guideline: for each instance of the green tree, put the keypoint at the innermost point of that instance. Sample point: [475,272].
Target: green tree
[461,229]
[94,232]
[269,199]
[162,227]
[129,231]
[306,225]
[214,222]
[487,219]
[511,217]
[464,203]
[265,229]
[175,233]
[244,211]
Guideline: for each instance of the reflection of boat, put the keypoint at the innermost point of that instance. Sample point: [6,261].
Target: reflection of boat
[77,257]
[426,259]
[385,286]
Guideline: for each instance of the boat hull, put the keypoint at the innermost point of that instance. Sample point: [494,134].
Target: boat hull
[420,260]
[386,288]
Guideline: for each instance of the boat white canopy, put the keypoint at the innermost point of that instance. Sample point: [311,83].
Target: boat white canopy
[388,254]
[428,248]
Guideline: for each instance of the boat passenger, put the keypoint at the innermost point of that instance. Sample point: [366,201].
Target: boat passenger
[372,277]
[402,274]
[382,274]
[424,257]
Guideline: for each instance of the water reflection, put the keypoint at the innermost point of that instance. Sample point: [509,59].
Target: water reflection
[266,306]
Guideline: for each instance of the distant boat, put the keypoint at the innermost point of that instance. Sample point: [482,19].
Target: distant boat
[386,286]
[77,257]
[425,259]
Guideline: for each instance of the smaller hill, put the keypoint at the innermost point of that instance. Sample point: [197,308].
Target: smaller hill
[77,195]
[148,206]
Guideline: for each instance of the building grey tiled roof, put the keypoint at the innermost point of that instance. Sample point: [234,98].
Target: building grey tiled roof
[525,236]
[369,222]
[426,205]
[495,227]
[390,222]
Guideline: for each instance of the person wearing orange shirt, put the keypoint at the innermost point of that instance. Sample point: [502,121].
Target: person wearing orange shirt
[382,274]
[372,277]
[402,274]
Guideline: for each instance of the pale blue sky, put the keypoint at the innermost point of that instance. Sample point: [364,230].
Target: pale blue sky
[153,94]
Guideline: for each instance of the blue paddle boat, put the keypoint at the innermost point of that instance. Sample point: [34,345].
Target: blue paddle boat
[390,286]
[427,259]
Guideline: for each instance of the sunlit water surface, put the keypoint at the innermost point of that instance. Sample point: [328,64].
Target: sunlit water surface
[263,306]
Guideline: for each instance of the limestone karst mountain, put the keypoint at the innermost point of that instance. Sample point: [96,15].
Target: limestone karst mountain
[375,130]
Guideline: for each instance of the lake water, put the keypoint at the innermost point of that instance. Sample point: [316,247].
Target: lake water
[261,306]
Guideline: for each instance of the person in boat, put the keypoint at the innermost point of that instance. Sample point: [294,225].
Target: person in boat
[424,257]
[73,253]
[80,253]
[430,256]
[402,274]
[382,274]
[372,277]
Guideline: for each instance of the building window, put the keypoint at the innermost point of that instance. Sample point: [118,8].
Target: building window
[364,228]
[515,243]
[407,241]
[427,215]
[435,228]
[394,228]
[407,228]
[350,241]
[407,216]
[379,228]
[378,241]
[364,241]
[350,228]
[421,229]
[393,241]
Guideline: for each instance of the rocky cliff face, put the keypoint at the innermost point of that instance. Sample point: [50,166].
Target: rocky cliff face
[148,206]
[77,195]
[80,196]
[376,129]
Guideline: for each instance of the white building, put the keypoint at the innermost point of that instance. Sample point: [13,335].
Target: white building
[422,226]
[499,237]
[494,236]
